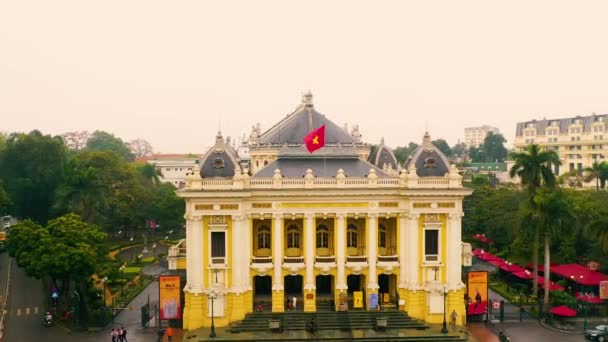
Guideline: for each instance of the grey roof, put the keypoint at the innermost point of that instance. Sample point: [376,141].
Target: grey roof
[541,125]
[296,126]
[220,160]
[428,160]
[321,167]
[383,155]
[331,151]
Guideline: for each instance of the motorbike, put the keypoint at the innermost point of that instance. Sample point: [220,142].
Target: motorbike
[48,321]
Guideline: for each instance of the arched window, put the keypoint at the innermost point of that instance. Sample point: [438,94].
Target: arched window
[322,237]
[293,237]
[382,236]
[265,162]
[257,163]
[351,236]
[263,237]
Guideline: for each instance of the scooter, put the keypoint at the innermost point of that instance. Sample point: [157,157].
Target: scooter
[48,320]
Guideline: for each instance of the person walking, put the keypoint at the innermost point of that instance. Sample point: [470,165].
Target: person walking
[124,334]
[295,300]
[119,335]
[454,316]
[113,334]
[169,333]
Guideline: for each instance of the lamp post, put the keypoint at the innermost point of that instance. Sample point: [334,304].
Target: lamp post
[154,249]
[444,328]
[212,296]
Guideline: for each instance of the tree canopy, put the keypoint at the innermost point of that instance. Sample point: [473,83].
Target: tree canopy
[104,141]
[443,146]
[491,150]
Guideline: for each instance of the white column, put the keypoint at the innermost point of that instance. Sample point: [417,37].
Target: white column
[277,252]
[237,253]
[194,254]
[310,249]
[341,252]
[247,242]
[372,250]
[454,248]
[403,249]
[413,259]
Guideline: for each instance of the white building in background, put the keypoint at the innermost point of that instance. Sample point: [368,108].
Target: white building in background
[172,167]
[474,136]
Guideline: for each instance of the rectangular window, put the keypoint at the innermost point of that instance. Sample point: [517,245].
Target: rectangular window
[431,244]
[571,167]
[218,247]
[579,166]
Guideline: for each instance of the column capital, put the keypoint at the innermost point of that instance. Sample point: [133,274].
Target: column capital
[404,214]
[239,217]
[309,216]
[372,215]
[456,215]
[341,215]
[193,217]
[414,216]
[277,215]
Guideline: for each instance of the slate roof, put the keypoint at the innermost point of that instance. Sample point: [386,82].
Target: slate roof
[383,155]
[220,160]
[428,160]
[293,128]
[321,167]
[542,125]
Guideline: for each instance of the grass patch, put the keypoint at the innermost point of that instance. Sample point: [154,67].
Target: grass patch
[148,260]
[131,269]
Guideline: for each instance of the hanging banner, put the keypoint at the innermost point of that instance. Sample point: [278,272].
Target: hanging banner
[169,297]
[604,289]
[358,300]
[477,292]
[373,301]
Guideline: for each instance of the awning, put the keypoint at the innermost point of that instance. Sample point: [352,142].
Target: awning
[563,311]
[512,268]
[588,297]
[579,274]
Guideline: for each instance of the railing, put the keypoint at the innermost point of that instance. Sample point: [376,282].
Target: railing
[218,260]
[388,258]
[294,260]
[325,259]
[262,260]
[356,258]
[433,181]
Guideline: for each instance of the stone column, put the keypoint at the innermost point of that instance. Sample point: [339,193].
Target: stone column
[278,298]
[413,259]
[454,248]
[309,284]
[372,258]
[340,232]
[237,253]
[247,243]
[404,244]
[194,254]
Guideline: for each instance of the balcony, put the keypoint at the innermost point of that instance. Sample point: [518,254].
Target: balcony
[388,263]
[261,264]
[356,258]
[388,258]
[325,259]
[294,260]
[293,264]
[325,263]
[356,263]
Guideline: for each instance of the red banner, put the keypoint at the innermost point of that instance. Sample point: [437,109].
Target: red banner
[170,297]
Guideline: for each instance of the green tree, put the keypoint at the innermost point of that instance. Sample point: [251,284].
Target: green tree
[103,141]
[493,148]
[32,168]
[443,146]
[5,201]
[533,167]
[476,154]
[402,153]
[599,172]
[460,149]
[549,212]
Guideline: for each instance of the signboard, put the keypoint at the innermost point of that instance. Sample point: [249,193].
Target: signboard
[373,301]
[343,301]
[169,297]
[496,305]
[477,292]
[604,289]
[358,300]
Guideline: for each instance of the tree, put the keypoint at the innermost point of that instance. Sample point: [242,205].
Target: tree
[533,167]
[549,212]
[5,201]
[493,147]
[103,141]
[76,140]
[140,148]
[443,146]
[599,172]
[67,249]
[402,153]
[3,138]
[460,149]
[32,166]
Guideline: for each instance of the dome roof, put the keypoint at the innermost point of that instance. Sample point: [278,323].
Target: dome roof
[383,157]
[220,160]
[293,128]
[428,160]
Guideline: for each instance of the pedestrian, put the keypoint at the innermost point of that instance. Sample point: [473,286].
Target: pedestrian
[124,335]
[454,315]
[169,333]
[119,335]
[477,300]
[113,334]
[295,299]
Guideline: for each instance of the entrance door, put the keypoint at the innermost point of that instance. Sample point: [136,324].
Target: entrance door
[325,297]
[387,290]
[293,285]
[262,293]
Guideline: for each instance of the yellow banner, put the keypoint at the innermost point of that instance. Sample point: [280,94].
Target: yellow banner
[357,299]
[169,297]
[604,289]
[477,286]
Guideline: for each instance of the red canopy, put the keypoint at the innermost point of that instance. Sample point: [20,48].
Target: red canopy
[553,286]
[564,311]
[482,238]
[579,274]
[498,262]
[512,268]
[588,297]
[523,274]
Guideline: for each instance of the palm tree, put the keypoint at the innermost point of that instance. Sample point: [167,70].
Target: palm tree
[533,166]
[599,172]
[550,213]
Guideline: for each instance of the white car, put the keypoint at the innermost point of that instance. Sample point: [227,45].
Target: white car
[599,333]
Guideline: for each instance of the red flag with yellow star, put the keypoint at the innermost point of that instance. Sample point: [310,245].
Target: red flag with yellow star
[315,139]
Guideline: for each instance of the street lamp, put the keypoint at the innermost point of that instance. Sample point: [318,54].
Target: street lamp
[444,328]
[212,295]
[154,248]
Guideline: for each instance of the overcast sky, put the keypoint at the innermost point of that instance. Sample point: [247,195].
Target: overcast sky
[169,71]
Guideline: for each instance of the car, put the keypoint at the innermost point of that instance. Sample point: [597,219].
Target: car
[599,333]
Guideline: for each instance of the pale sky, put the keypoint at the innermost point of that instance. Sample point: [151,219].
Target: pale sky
[168,71]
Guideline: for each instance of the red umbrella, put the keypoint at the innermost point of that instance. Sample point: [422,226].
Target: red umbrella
[563,311]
